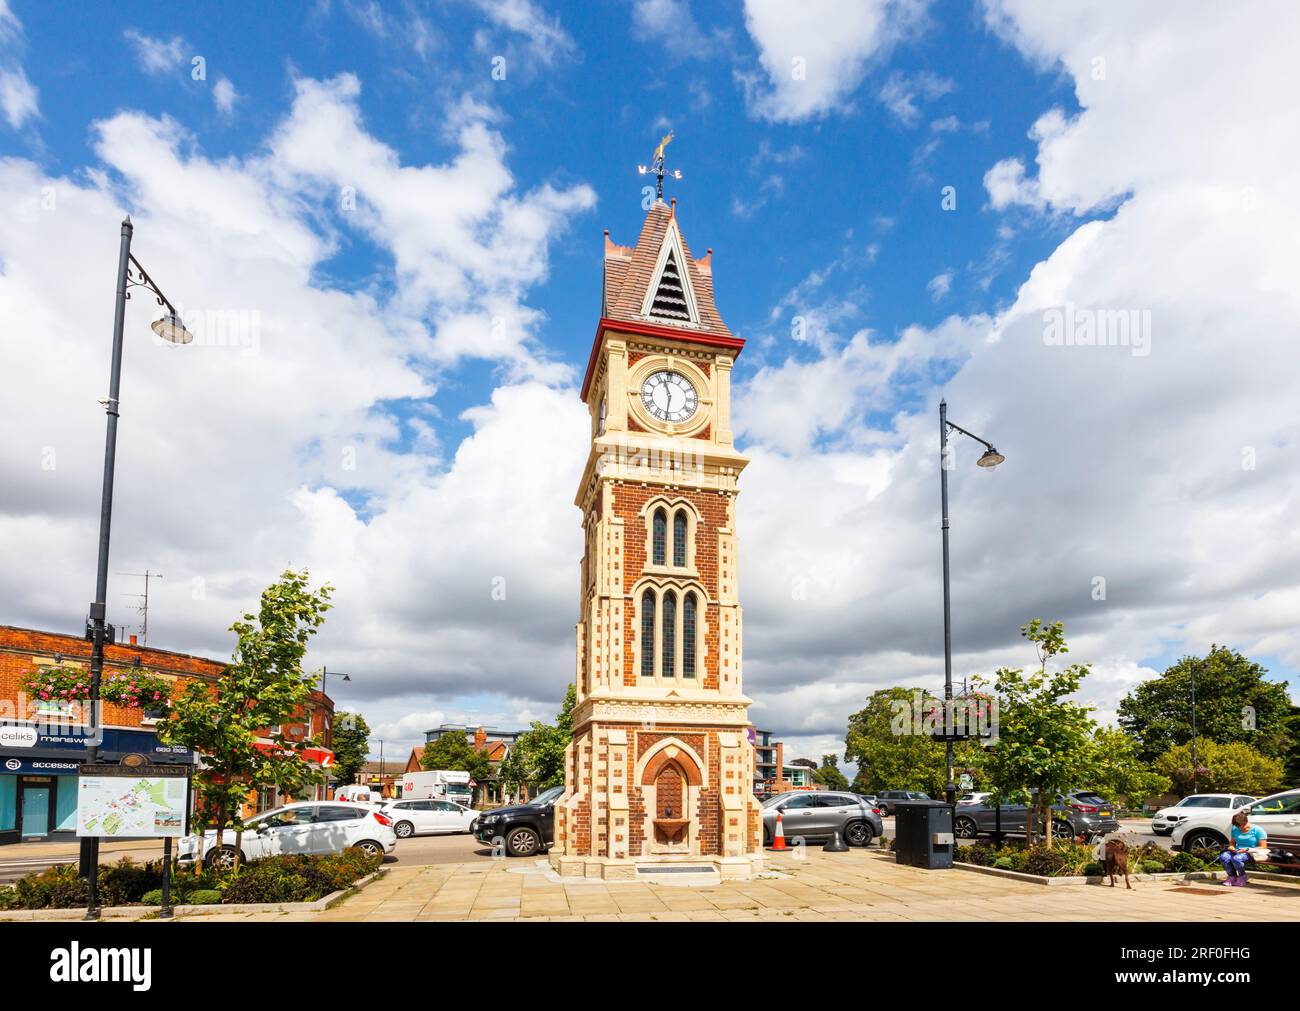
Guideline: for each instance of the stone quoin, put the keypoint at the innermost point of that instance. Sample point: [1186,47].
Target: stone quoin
[660,771]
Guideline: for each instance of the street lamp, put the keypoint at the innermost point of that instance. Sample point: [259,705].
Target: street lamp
[990,458]
[324,673]
[130,274]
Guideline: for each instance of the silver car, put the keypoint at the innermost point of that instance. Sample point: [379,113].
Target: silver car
[818,814]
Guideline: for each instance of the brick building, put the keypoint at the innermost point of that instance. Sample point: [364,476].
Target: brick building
[43,743]
[660,768]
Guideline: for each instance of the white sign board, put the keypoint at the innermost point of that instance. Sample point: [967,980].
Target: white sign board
[126,806]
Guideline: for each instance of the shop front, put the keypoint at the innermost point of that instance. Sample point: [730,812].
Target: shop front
[38,775]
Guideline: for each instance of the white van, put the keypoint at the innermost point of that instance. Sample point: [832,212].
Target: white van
[357,794]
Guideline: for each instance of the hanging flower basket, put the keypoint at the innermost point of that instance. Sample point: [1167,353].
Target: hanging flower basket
[56,686]
[137,690]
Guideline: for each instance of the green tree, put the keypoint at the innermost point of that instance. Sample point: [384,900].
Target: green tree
[262,688]
[829,774]
[1221,768]
[454,753]
[536,759]
[1044,741]
[351,745]
[1233,703]
[1119,772]
[888,740]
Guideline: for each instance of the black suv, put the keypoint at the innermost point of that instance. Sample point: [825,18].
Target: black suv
[525,829]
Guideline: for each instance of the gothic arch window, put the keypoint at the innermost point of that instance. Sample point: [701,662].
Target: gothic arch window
[648,634]
[689,623]
[680,526]
[668,654]
[660,537]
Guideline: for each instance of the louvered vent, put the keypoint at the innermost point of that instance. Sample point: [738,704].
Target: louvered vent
[670,297]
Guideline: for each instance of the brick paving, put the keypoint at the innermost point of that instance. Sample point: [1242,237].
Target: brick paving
[859,885]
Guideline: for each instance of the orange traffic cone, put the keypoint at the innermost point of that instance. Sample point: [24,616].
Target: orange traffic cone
[778,842]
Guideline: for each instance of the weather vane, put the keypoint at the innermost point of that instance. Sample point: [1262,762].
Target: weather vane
[657,166]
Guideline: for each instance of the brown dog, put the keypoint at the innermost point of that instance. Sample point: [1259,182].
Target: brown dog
[1116,861]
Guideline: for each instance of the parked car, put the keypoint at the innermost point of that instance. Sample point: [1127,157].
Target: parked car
[1164,820]
[872,800]
[428,817]
[525,829]
[1081,812]
[304,827]
[1277,814]
[817,814]
[886,799]
[973,798]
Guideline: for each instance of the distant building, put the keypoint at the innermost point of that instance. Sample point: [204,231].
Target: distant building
[496,744]
[772,773]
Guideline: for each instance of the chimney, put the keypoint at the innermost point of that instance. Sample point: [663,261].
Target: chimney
[133,640]
[480,739]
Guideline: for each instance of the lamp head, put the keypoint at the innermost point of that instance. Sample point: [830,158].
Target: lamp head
[991,458]
[171,329]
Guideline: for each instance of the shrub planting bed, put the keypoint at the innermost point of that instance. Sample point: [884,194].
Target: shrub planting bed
[296,878]
[1072,859]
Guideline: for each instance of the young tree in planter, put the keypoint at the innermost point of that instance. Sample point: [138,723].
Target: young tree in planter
[351,745]
[263,687]
[1044,742]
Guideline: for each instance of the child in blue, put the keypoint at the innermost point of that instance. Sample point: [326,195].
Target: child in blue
[1248,841]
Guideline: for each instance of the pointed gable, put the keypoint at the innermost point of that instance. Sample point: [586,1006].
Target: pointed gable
[658,284]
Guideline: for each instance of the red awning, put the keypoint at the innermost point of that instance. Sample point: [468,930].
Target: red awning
[321,756]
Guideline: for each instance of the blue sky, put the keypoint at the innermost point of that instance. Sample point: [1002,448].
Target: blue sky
[1073,142]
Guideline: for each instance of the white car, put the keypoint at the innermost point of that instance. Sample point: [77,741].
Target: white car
[1167,818]
[304,827]
[973,798]
[1278,815]
[428,817]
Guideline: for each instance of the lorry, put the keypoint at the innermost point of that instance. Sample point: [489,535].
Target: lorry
[439,784]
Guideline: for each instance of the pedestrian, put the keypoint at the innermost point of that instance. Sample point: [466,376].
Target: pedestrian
[1248,844]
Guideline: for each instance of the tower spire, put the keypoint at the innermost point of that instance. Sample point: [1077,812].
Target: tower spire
[657,168]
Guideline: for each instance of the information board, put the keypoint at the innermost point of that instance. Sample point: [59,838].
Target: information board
[148,801]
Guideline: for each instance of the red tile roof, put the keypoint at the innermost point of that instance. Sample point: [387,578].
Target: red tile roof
[629,272]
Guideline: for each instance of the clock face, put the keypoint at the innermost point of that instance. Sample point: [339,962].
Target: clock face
[669,396]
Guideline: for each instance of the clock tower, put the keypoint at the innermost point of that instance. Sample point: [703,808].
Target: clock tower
[660,770]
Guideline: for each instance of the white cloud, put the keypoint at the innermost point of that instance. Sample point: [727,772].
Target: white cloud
[1167,474]
[545,39]
[331,455]
[901,94]
[816,53]
[670,24]
[940,285]
[18,97]
[225,96]
[157,56]
[1006,185]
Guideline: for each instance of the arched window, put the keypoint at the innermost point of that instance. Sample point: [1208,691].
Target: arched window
[688,636]
[679,538]
[660,535]
[648,634]
[669,656]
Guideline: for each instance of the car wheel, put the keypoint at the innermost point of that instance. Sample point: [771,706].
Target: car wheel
[370,848]
[1063,830]
[222,858]
[965,828]
[404,830]
[857,833]
[523,842]
[1203,839]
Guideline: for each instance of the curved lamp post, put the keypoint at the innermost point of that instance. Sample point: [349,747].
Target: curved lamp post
[130,274]
[990,458]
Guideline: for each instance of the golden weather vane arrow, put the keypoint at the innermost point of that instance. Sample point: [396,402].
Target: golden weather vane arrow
[657,166]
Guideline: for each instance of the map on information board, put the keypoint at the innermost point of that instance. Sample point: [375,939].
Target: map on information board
[127,806]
